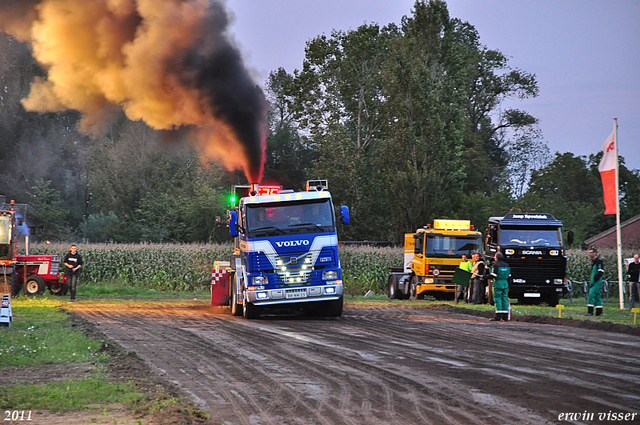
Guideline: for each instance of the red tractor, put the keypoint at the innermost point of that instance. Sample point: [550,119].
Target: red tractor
[39,272]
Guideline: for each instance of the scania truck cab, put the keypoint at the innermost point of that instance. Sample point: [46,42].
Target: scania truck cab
[533,246]
[286,254]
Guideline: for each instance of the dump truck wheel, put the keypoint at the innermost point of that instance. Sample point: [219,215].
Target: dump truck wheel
[413,288]
[34,286]
[392,287]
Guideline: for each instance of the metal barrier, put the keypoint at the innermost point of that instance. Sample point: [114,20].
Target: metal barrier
[606,285]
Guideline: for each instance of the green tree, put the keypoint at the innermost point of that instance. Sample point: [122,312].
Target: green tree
[423,167]
[49,215]
[568,189]
[336,100]
[288,155]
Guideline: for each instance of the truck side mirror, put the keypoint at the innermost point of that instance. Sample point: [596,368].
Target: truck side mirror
[344,213]
[233,223]
[570,237]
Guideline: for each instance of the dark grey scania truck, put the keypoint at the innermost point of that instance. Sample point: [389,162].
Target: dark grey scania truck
[533,246]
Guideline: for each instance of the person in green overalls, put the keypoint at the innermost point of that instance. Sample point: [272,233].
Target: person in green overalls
[501,272]
[595,285]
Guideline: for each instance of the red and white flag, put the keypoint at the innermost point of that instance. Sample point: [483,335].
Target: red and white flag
[607,170]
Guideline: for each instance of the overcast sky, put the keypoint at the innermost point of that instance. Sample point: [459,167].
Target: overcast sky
[585,54]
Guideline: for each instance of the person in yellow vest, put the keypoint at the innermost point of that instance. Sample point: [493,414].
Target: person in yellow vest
[466,265]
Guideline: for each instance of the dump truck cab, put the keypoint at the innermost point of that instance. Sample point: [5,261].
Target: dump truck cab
[431,256]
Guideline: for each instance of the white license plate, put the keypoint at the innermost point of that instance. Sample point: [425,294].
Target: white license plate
[534,295]
[296,295]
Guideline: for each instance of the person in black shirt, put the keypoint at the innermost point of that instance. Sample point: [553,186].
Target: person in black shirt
[634,278]
[73,262]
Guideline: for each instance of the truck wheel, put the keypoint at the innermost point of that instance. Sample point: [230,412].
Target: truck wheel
[235,308]
[413,288]
[34,286]
[552,299]
[334,308]
[392,287]
[59,289]
[250,310]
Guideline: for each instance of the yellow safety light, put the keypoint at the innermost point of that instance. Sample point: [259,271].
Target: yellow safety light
[452,224]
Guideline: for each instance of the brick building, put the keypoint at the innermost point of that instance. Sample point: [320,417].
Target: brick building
[630,231]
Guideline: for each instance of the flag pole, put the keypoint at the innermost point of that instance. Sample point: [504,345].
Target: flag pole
[618,233]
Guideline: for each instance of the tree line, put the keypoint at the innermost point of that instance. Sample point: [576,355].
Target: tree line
[407,123]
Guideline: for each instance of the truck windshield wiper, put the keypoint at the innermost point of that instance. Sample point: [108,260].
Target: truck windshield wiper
[305,225]
[267,229]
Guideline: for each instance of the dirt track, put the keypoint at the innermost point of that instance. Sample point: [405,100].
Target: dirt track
[399,364]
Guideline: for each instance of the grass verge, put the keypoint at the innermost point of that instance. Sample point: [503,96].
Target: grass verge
[46,343]
[576,310]
[69,395]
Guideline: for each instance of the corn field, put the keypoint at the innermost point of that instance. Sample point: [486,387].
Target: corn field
[152,266]
[187,267]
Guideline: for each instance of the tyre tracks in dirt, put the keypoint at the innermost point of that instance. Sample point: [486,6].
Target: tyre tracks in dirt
[389,365]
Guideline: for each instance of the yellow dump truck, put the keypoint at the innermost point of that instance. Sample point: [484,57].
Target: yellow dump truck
[431,256]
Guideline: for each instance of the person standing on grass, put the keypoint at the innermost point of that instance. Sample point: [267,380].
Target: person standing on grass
[595,285]
[476,295]
[73,262]
[465,265]
[634,279]
[501,272]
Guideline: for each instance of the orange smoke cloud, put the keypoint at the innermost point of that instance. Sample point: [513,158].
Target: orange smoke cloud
[169,63]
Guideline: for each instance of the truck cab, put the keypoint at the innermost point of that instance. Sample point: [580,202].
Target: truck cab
[431,256]
[286,254]
[533,246]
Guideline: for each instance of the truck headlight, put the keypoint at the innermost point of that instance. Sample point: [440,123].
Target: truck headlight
[330,275]
[557,281]
[262,295]
[330,290]
[509,251]
[260,280]
[554,252]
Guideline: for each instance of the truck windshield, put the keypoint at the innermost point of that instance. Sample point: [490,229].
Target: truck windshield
[531,236]
[440,245]
[290,217]
[5,230]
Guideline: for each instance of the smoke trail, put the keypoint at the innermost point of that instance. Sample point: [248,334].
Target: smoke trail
[169,63]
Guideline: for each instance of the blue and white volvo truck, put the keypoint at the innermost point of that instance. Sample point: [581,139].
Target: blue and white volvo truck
[286,253]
